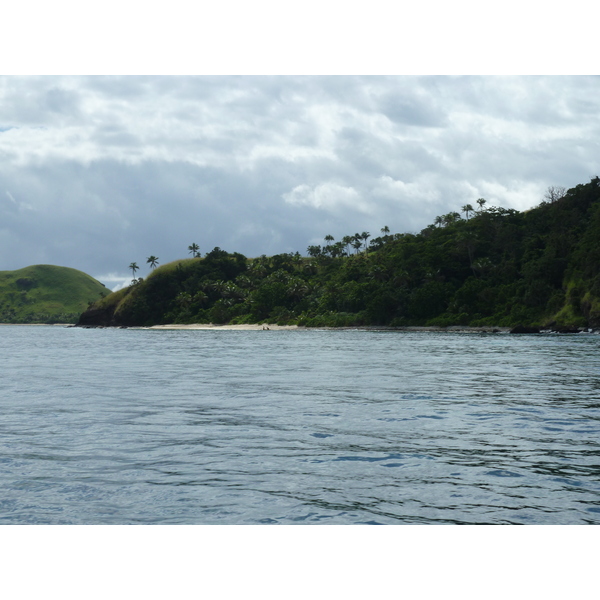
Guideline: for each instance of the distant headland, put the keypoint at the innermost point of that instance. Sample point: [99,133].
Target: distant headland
[481,267]
[46,294]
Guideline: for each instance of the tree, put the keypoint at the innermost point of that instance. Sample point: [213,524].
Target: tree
[481,202]
[184,299]
[310,268]
[555,193]
[468,239]
[385,230]
[133,266]
[153,261]
[314,251]
[337,249]
[450,218]
[357,243]
[439,221]
[329,238]
[378,273]
[467,208]
[193,250]
[365,236]
[347,241]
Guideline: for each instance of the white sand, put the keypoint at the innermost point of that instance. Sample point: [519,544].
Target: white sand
[273,327]
[226,327]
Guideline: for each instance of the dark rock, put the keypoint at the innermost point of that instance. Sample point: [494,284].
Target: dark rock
[524,329]
[94,317]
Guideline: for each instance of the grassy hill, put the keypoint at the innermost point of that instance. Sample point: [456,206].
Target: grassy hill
[46,294]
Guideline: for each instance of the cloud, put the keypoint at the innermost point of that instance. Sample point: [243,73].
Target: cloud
[388,187]
[19,206]
[103,171]
[114,281]
[327,196]
[413,107]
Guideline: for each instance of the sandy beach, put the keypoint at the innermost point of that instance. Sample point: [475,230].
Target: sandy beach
[274,327]
[254,327]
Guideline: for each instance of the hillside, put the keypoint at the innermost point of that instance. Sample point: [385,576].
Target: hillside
[494,267]
[46,294]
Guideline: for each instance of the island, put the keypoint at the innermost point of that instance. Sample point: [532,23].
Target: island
[484,266]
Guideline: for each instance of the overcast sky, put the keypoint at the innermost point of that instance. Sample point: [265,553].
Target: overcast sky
[97,172]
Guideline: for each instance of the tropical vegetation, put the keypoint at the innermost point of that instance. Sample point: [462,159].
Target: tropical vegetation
[492,267]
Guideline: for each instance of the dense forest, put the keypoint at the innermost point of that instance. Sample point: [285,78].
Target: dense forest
[489,266]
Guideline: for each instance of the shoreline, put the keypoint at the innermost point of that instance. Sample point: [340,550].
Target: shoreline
[247,327]
[275,327]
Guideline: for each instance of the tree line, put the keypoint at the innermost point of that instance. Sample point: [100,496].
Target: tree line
[489,266]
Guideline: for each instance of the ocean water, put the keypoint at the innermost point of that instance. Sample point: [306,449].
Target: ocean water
[135,426]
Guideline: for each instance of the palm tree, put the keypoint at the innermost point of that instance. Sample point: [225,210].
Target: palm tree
[310,268]
[468,239]
[365,236]
[386,233]
[243,281]
[481,265]
[200,297]
[357,243]
[378,273]
[184,299]
[133,266]
[219,286]
[296,288]
[347,240]
[451,217]
[401,277]
[193,250]
[337,249]
[329,238]
[467,208]
[153,260]
[481,202]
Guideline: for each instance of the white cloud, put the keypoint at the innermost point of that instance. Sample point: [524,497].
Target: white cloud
[19,205]
[328,196]
[118,168]
[412,192]
[114,281]
[520,195]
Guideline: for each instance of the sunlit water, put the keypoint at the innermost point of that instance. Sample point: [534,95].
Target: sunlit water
[112,426]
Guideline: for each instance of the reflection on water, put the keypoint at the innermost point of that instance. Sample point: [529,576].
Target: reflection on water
[141,426]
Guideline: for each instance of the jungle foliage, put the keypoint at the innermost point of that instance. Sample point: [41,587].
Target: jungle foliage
[495,267]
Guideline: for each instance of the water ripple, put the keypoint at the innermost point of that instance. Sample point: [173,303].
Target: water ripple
[363,427]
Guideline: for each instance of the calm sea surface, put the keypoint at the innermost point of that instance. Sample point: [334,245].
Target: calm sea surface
[112,426]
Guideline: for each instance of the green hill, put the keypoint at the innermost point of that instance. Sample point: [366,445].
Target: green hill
[46,294]
[494,267]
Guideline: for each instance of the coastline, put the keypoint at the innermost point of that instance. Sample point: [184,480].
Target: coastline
[275,327]
[251,327]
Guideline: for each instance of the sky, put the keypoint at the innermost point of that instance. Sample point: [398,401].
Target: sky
[98,170]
